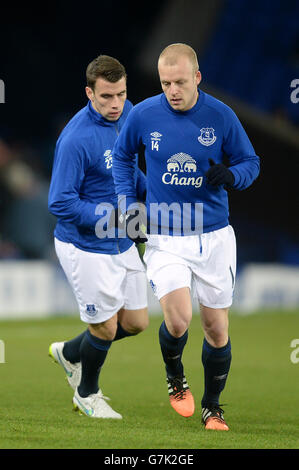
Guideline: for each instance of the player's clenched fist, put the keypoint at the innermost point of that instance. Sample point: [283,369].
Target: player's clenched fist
[219,174]
[133,222]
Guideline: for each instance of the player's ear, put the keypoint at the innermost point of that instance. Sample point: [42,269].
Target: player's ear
[89,93]
[198,77]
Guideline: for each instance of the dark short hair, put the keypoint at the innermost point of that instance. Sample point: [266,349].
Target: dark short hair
[105,67]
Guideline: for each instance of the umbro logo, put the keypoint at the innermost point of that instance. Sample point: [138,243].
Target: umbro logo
[155,139]
[156,135]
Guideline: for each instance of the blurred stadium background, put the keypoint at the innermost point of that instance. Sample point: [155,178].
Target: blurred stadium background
[249,55]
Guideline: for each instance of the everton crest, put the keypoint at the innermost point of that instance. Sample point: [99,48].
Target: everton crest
[207,136]
[91,310]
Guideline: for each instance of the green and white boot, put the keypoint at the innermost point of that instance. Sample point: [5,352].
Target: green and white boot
[94,406]
[73,371]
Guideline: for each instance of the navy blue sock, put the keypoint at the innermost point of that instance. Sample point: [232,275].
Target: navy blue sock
[121,332]
[172,351]
[216,362]
[71,349]
[93,352]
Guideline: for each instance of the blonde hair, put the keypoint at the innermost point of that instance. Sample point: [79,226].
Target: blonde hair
[172,52]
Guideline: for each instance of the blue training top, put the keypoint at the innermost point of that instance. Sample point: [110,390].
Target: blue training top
[82,179]
[178,146]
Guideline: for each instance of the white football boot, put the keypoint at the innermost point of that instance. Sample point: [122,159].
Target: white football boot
[73,371]
[94,406]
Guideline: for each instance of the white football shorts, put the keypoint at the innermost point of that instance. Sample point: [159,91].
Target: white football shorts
[206,264]
[102,283]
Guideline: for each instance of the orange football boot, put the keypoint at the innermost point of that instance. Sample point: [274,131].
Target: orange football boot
[212,418]
[180,396]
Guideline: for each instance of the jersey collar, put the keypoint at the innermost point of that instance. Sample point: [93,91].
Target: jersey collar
[184,113]
[98,118]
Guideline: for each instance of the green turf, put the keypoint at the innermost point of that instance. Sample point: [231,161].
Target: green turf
[261,396]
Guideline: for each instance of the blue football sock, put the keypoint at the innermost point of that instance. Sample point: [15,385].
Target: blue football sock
[93,352]
[121,332]
[71,349]
[216,362]
[172,350]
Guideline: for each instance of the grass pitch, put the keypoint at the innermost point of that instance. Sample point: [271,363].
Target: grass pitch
[261,395]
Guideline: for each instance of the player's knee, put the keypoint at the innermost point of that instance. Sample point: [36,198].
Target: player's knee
[143,324]
[216,335]
[178,326]
[137,324]
[104,330]
[177,319]
[215,324]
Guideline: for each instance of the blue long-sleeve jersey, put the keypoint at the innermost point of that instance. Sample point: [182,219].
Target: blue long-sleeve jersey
[82,180]
[178,146]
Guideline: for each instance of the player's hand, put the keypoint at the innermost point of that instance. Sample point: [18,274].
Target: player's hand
[135,226]
[117,219]
[219,174]
[133,223]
